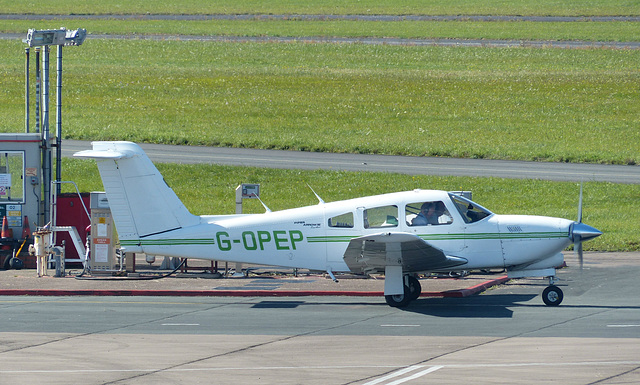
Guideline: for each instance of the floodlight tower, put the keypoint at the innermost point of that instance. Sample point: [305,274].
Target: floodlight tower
[42,40]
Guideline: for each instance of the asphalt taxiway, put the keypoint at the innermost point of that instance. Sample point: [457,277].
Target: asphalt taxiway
[413,165]
[504,335]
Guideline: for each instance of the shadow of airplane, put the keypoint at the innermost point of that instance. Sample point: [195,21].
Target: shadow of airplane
[495,306]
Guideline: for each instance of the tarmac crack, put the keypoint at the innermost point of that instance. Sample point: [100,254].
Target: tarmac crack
[615,376]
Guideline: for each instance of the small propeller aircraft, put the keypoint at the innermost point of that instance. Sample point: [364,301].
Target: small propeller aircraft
[398,234]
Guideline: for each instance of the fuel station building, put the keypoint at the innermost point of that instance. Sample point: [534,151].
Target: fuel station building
[29,190]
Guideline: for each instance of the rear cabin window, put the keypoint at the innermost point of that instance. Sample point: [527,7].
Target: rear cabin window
[343,220]
[379,217]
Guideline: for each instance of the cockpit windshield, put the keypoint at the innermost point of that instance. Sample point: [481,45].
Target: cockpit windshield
[470,211]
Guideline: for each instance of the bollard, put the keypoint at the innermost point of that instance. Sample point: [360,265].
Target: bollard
[41,249]
[58,257]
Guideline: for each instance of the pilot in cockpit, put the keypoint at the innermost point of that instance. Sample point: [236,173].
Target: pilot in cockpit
[431,213]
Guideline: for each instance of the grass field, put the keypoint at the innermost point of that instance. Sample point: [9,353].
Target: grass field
[340,7]
[525,30]
[531,104]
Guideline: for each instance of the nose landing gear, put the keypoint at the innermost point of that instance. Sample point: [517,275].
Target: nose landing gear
[552,294]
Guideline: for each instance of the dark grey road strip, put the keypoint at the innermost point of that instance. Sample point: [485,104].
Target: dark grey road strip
[412,165]
[366,40]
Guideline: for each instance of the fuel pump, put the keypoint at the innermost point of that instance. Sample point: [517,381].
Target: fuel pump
[102,256]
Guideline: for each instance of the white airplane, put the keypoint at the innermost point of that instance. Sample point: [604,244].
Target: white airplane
[398,234]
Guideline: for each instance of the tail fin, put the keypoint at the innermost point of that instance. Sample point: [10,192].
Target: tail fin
[141,202]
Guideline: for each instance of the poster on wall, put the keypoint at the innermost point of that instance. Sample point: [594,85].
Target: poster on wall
[5,185]
[102,253]
[13,214]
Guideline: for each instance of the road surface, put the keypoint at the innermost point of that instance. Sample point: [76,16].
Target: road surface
[575,172]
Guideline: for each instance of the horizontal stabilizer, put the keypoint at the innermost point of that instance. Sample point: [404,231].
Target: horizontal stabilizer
[104,154]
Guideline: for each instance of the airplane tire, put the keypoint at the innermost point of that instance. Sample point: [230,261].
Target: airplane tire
[552,296]
[399,300]
[414,287]
[16,263]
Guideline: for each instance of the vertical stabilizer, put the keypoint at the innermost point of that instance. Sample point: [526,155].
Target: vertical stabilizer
[141,202]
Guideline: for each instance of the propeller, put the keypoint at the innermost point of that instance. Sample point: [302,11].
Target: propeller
[581,232]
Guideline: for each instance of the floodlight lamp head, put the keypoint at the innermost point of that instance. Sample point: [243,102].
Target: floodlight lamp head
[40,38]
[36,38]
[75,37]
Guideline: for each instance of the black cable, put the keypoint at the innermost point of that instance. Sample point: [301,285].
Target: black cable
[142,278]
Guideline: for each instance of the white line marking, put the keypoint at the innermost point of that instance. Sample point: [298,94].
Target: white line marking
[623,326]
[395,374]
[416,375]
[399,326]
[180,324]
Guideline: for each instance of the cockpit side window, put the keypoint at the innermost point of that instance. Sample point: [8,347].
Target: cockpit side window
[427,213]
[471,212]
[384,216]
[343,221]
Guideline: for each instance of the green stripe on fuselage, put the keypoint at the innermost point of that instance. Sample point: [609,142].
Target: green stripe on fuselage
[348,238]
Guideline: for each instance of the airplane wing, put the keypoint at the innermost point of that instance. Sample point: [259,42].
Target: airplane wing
[372,253]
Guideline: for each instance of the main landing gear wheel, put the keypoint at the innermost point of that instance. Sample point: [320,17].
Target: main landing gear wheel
[552,296]
[414,287]
[399,300]
[411,291]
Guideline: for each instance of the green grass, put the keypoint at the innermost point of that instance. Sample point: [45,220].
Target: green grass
[210,189]
[547,31]
[521,103]
[372,7]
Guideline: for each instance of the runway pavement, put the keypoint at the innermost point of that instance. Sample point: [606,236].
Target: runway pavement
[504,43]
[381,163]
[504,335]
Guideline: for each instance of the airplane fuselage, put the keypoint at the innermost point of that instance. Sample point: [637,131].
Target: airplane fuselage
[306,237]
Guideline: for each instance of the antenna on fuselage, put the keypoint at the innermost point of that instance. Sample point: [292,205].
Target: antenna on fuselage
[267,209]
[320,201]
[580,204]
